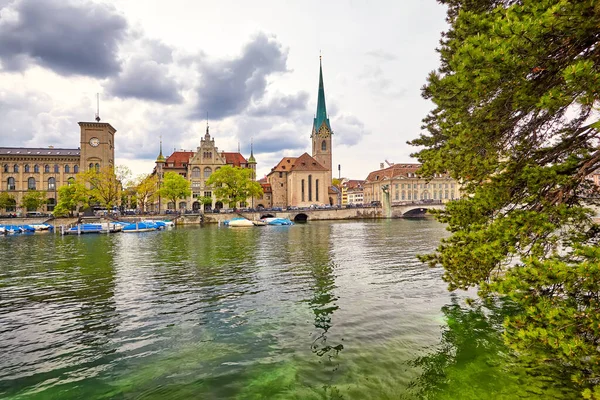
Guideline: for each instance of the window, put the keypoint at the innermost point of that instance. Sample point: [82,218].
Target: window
[207,172]
[207,194]
[316,190]
[51,184]
[403,195]
[10,184]
[5,167]
[76,169]
[414,185]
[409,194]
[310,188]
[195,172]
[67,169]
[51,204]
[302,188]
[97,167]
[31,183]
[70,181]
[446,195]
[91,166]
[397,195]
[323,145]
[56,169]
[47,169]
[15,168]
[195,185]
[36,168]
[26,168]
[281,174]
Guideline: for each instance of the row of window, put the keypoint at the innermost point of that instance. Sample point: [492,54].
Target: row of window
[32,185]
[207,172]
[424,185]
[310,189]
[425,195]
[36,168]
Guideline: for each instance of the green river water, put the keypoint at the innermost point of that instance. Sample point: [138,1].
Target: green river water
[322,310]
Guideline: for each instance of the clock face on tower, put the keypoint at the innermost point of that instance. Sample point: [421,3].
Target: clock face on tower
[94,142]
[323,132]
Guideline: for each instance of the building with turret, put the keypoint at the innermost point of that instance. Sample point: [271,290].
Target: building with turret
[306,180]
[197,166]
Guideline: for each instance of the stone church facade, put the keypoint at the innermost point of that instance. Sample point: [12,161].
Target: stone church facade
[306,180]
[46,169]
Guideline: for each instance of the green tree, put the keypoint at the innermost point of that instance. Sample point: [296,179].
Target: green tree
[514,122]
[234,185]
[71,198]
[145,190]
[33,199]
[206,200]
[174,187]
[104,186]
[6,200]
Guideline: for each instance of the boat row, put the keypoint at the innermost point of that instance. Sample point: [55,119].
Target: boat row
[241,222]
[31,228]
[113,227]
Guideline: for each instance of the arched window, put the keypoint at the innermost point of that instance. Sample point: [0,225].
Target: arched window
[46,168]
[70,181]
[195,172]
[15,168]
[323,145]
[56,169]
[76,169]
[10,184]
[51,183]
[207,172]
[36,168]
[5,167]
[26,168]
[170,205]
[31,183]
[67,169]
[310,188]
[316,190]
[91,166]
[302,189]
[97,167]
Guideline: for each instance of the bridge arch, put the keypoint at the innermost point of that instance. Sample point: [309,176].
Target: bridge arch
[416,212]
[302,217]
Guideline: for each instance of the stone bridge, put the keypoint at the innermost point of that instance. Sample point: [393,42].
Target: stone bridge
[396,211]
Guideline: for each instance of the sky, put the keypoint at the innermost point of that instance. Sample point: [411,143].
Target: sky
[160,67]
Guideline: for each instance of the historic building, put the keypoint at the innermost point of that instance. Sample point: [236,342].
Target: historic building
[46,169]
[352,192]
[405,185]
[197,166]
[306,180]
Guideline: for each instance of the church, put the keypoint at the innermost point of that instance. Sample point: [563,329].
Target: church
[306,180]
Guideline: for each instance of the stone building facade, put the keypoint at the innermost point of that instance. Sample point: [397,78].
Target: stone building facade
[405,185]
[46,169]
[306,180]
[197,166]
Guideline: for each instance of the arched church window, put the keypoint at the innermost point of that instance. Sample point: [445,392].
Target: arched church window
[324,145]
[195,172]
[310,188]
[316,190]
[207,172]
[302,189]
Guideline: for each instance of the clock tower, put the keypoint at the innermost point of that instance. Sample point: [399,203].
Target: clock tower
[97,145]
[321,132]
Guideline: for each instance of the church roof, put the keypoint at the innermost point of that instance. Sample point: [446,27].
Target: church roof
[235,159]
[321,115]
[178,158]
[285,165]
[307,163]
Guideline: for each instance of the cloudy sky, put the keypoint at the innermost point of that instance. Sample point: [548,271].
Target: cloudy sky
[161,66]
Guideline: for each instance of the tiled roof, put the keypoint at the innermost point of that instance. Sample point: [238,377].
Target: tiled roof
[235,159]
[38,151]
[286,164]
[353,184]
[178,158]
[395,171]
[307,163]
[266,187]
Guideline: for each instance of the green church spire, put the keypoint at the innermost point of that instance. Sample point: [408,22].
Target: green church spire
[160,157]
[251,160]
[321,116]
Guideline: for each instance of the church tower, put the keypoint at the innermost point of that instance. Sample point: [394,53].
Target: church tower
[321,132]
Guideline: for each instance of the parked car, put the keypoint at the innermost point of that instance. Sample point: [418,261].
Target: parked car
[376,203]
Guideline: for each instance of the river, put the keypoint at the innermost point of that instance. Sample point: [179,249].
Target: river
[322,310]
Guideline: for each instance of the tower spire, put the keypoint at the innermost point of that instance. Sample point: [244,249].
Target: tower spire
[321,115]
[160,157]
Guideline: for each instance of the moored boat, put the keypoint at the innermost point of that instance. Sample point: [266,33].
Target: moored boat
[144,226]
[239,222]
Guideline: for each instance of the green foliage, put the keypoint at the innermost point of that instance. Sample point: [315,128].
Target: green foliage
[71,197]
[205,200]
[174,187]
[234,185]
[514,122]
[6,200]
[146,189]
[104,186]
[33,199]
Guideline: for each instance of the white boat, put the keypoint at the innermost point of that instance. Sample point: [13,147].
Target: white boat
[240,222]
